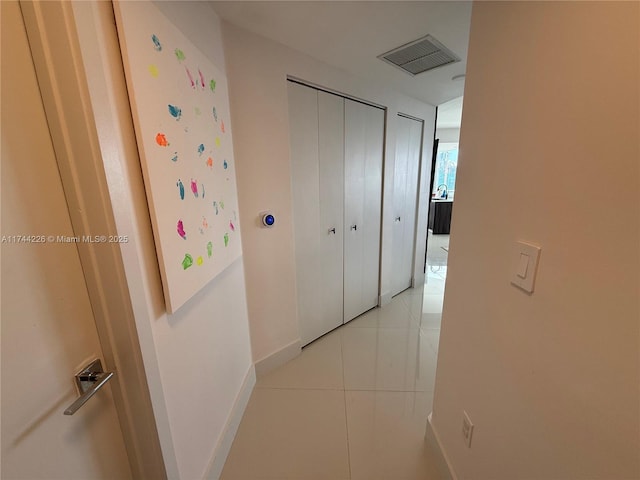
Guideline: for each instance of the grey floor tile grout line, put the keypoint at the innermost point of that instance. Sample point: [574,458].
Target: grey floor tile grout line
[411,327]
[322,389]
[346,413]
[350,390]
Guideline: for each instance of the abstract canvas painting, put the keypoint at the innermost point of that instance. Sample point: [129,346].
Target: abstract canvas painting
[180,109]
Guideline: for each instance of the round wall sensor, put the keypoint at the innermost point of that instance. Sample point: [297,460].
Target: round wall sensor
[268,220]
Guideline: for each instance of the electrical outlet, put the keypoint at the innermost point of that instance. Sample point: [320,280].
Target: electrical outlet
[467,428]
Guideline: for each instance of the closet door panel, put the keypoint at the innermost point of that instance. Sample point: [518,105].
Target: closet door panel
[400,280]
[354,184]
[303,120]
[411,201]
[364,133]
[413,179]
[331,187]
[372,206]
[408,153]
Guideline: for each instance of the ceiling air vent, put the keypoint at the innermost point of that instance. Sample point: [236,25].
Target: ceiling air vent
[419,56]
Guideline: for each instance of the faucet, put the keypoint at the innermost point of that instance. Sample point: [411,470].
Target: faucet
[442,191]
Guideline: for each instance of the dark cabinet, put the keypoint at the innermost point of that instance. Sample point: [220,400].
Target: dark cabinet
[440,216]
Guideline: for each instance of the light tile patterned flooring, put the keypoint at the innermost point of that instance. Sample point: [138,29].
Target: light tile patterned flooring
[354,404]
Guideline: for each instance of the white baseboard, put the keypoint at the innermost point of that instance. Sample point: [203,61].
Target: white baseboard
[432,438]
[231,428]
[278,358]
[385,299]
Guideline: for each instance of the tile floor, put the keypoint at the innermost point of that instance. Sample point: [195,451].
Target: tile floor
[354,404]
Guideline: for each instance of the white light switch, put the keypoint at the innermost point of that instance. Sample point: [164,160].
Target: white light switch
[525,265]
[522,265]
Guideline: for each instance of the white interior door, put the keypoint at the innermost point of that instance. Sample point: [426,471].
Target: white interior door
[405,198]
[364,134]
[331,200]
[48,331]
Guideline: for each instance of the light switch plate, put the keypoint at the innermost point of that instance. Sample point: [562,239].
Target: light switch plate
[531,254]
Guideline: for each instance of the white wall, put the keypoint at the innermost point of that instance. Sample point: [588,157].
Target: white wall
[548,153]
[448,135]
[198,360]
[258,70]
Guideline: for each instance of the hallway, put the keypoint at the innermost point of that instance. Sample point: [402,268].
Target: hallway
[354,404]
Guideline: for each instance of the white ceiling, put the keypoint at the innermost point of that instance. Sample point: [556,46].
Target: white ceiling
[350,36]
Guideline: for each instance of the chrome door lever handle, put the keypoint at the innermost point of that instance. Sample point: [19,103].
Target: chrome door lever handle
[91,379]
[332,230]
[354,227]
[397,219]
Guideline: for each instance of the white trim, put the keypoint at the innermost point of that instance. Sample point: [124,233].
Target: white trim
[231,428]
[385,299]
[278,358]
[433,439]
[315,86]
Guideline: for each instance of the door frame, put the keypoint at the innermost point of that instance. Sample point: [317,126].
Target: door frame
[57,58]
[432,174]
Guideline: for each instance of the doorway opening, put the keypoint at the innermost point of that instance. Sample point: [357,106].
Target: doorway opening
[445,162]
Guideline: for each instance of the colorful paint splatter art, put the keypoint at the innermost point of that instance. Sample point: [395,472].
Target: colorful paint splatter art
[156,43]
[161,140]
[180,229]
[193,84]
[186,154]
[180,186]
[175,112]
[187,261]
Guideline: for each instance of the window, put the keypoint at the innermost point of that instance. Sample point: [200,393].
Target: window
[446,166]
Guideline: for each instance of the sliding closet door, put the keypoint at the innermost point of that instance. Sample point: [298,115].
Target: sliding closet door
[405,198]
[363,147]
[331,187]
[303,124]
